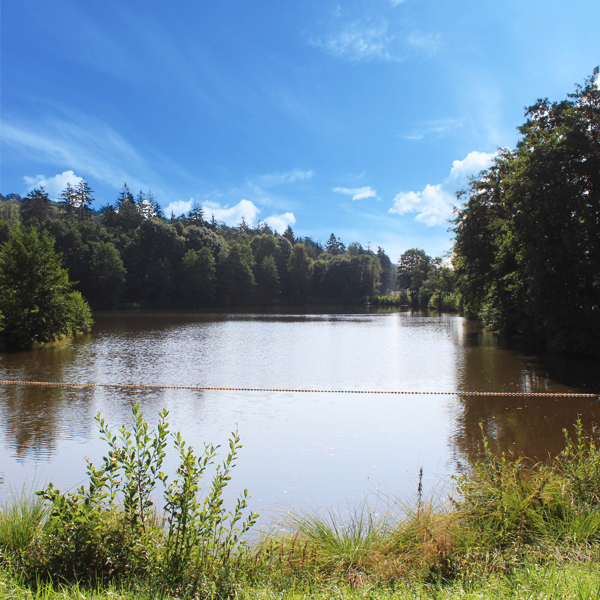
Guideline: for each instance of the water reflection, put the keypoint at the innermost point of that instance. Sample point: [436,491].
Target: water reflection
[311,448]
[517,426]
[34,418]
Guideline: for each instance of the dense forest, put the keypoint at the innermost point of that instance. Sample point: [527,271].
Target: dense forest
[128,255]
[527,249]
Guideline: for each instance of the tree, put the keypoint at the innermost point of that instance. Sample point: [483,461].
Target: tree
[267,279]
[84,198]
[334,246]
[527,249]
[387,272]
[413,269]
[36,205]
[242,266]
[37,303]
[198,270]
[106,277]
[300,269]
[9,219]
[288,234]
[69,199]
[196,215]
[243,226]
[146,205]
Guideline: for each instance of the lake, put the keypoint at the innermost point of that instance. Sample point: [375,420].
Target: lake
[305,450]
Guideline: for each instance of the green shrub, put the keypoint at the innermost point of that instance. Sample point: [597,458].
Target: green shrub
[112,531]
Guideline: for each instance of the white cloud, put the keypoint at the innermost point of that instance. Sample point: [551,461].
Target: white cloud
[54,185]
[280,222]
[231,215]
[396,2]
[357,193]
[433,205]
[179,207]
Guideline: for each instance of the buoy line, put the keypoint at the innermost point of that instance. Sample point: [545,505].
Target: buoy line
[127,386]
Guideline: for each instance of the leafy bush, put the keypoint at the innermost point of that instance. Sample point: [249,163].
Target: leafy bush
[112,531]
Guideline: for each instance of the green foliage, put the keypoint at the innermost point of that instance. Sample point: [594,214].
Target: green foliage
[111,530]
[268,282]
[9,218]
[527,250]
[338,543]
[509,503]
[413,270]
[199,277]
[20,521]
[36,207]
[127,254]
[300,268]
[36,301]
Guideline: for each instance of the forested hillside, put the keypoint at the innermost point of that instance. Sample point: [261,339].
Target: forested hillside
[128,255]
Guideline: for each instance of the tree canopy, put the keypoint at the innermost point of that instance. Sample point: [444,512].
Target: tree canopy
[128,255]
[37,303]
[527,250]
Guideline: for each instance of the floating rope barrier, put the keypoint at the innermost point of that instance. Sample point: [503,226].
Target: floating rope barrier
[127,386]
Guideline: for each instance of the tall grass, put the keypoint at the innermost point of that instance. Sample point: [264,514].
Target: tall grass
[510,529]
[503,512]
[21,519]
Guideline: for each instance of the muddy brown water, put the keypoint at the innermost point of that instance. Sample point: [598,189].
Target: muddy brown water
[300,450]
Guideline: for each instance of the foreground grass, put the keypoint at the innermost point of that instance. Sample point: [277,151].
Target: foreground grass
[529,582]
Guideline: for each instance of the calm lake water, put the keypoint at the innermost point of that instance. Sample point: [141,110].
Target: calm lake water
[299,449]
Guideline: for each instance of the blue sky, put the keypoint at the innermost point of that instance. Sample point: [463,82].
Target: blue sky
[359,118]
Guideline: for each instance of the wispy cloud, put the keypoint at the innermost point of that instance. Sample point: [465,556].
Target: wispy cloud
[437,127]
[85,145]
[54,185]
[371,39]
[433,204]
[359,41]
[273,179]
[357,193]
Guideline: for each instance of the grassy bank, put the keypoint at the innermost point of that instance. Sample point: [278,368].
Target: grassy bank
[573,581]
[511,529]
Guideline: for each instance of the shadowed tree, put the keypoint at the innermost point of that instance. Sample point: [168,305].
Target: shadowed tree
[36,206]
[37,303]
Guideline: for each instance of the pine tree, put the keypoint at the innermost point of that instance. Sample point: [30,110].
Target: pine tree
[145,205]
[69,198]
[288,234]
[83,198]
[196,215]
[36,205]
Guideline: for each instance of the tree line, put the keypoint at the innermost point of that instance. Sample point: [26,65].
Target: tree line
[127,254]
[527,246]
